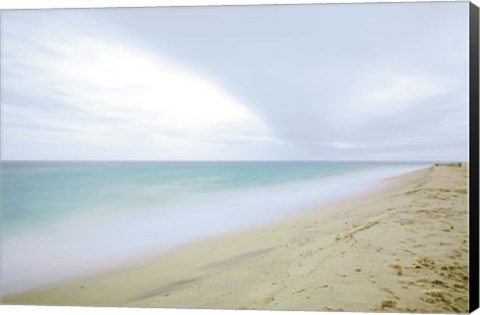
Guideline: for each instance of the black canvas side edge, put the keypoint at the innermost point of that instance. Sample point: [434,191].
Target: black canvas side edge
[473,161]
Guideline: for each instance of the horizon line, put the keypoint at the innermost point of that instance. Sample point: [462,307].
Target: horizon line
[101,160]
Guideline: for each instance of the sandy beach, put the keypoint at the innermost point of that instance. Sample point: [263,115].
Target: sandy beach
[400,248]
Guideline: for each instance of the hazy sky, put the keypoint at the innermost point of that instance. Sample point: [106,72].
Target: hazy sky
[317,82]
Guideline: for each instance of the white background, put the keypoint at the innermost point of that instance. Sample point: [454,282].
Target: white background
[26,4]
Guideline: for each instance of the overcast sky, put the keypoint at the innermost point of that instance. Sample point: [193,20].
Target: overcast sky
[303,82]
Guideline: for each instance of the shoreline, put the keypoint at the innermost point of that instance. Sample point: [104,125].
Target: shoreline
[133,236]
[273,266]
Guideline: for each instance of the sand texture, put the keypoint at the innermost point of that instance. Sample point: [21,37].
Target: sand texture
[401,248]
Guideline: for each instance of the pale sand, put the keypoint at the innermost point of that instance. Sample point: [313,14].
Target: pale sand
[401,248]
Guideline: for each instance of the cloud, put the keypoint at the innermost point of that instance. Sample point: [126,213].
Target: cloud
[340,82]
[102,92]
[400,91]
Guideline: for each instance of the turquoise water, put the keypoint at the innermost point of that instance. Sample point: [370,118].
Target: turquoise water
[94,215]
[36,193]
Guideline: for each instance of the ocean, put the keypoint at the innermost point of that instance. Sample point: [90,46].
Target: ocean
[63,220]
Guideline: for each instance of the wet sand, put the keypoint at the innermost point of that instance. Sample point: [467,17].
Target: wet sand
[401,248]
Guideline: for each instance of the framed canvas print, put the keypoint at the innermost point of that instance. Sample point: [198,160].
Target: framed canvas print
[312,157]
